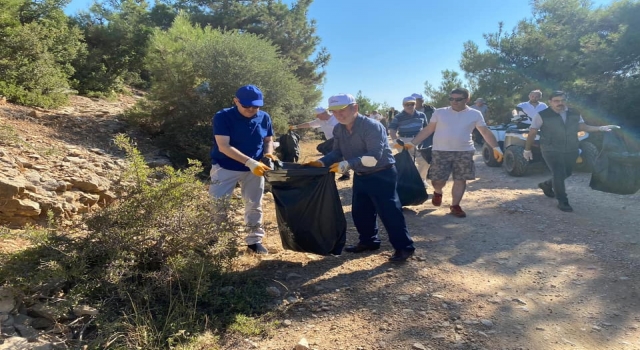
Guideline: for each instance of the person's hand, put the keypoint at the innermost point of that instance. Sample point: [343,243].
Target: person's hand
[314,163]
[407,146]
[497,154]
[257,168]
[292,127]
[605,128]
[271,156]
[528,155]
[341,167]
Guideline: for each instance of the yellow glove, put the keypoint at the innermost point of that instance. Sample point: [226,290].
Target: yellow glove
[314,163]
[497,154]
[257,168]
[408,146]
[271,156]
[341,167]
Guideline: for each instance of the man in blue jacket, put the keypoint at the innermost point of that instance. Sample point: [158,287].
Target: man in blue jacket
[360,143]
[242,135]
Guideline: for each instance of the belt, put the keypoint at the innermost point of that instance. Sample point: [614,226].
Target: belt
[362,173]
[407,135]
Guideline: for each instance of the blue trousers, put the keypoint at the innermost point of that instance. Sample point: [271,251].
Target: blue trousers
[375,194]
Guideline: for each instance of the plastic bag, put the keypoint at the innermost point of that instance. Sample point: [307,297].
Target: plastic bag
[308,209]
[410,187]
[289,149]
[325,147]
[617,168]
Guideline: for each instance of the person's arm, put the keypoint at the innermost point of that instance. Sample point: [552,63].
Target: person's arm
[230,151]
[268,145]
[335,155]
[591,128]
[393,128]
[530,138]
[424,133]
[488,136]
[301,126]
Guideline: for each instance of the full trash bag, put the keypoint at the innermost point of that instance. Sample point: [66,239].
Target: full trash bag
[410,186]
[308,209]
[617,168]
[289,149]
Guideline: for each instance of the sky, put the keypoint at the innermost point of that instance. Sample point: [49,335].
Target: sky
[388,48]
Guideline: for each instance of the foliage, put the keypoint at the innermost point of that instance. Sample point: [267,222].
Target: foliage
[365,104]
[37,46]
[155,264]
[593,54]
[196,73]
[440,97]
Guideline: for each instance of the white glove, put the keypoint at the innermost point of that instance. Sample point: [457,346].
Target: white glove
[608,127]
[339,168]
[257,168]
[369,161]
[527,155]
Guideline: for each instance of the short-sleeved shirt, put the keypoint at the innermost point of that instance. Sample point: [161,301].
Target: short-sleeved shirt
[408,125]
[532,110]
[325,125]
[453,129]
[367,138]
[483,109]
[536,123]
[245,134]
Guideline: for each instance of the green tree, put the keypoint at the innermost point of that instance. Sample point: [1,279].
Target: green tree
[365,104]
[37,46]
[440,97]
[195,72]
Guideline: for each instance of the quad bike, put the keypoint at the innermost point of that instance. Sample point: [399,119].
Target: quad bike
[512,139]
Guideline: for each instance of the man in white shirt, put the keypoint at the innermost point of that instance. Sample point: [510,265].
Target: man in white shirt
[326,122]
[453,147]
[480,105]
[533,106]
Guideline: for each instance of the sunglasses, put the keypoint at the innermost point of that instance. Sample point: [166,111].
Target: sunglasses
[409,104]
[457,99]
[250,107]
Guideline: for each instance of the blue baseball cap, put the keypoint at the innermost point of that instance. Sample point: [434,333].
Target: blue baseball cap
[250,95]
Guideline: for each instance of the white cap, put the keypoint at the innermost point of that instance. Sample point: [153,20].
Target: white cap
[340,101]
[319,110]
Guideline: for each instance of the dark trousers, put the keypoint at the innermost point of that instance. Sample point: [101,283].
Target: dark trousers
[561,165]
[375,194]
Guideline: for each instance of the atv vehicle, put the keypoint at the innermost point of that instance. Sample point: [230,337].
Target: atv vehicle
[512,141]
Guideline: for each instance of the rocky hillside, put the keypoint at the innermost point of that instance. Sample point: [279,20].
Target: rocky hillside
[62,161]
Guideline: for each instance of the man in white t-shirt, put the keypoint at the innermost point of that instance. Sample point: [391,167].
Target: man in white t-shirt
[532,107]
[453,147]
[326,122]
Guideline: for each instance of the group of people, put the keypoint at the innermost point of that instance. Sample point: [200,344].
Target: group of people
[243,134]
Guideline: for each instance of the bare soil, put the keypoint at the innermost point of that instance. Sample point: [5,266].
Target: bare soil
[516,273]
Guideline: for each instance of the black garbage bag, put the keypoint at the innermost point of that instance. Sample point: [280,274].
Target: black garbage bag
[325,147]
[410,187]
[289,149]
[308,209]
[617,168]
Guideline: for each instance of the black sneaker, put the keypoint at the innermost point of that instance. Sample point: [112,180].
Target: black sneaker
[401,255]
[258,248]
[564,206]
[345,176]
[547,189]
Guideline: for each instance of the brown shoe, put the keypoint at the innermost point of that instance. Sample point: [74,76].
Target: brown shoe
[457,211]
[437,199]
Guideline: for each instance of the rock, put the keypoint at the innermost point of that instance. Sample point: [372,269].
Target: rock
[26,331]
[10,188]
[287,323]
[7,300]
[43,311]
[303,344]
[519,301]
[82,310]
[273,291]
[21,207]
[14,343]
[42,323]
[418,346]
[487,323]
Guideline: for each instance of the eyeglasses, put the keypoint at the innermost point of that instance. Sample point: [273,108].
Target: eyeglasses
[250,107]
[409,104]
[457,99]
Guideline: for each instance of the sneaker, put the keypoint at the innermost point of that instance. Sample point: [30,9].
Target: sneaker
[564,206]
[345,176]
[437,199]
[547,189]
[258,248]
[401,255]
[457,211]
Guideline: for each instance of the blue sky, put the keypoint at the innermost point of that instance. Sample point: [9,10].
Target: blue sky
[389,48]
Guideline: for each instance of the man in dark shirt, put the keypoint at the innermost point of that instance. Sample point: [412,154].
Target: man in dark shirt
[361,144]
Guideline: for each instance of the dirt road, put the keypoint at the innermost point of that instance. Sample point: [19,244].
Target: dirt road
[517,273]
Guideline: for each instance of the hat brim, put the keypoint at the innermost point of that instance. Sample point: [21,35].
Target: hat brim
[254,103]
[337,107]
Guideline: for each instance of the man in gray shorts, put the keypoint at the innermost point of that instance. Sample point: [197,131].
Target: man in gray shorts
[453,147]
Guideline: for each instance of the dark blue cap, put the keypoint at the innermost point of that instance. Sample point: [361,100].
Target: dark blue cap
[250,95]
